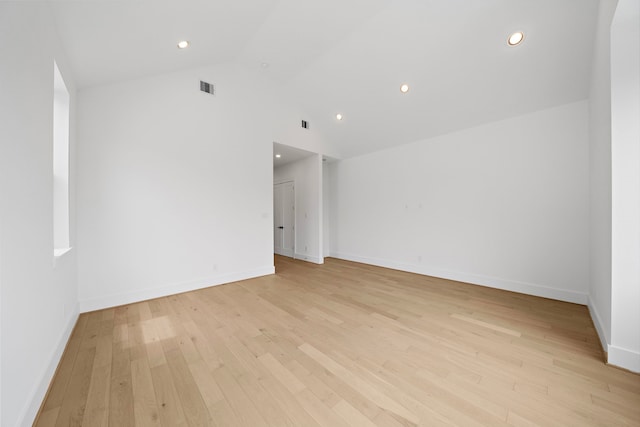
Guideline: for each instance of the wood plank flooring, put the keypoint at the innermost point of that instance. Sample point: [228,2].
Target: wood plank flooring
[343,344]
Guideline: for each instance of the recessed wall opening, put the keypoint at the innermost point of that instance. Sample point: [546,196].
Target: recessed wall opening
[61,243]
[297,203]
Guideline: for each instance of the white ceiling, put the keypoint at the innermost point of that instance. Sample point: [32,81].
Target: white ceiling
[288,154]
[350,56]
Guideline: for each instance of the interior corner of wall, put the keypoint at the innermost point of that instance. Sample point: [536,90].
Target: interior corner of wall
[601,331]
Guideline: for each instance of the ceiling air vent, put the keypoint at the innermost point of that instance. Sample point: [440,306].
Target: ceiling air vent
[305,124]
[207,87]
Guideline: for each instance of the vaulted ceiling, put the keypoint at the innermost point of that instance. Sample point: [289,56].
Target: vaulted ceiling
[351,56]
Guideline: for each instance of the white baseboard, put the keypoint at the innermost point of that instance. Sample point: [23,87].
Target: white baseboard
[623,358]
[284,252]
[29,413]
[475,279]
[603,335]
[616,356]
[124,298]
[313,259]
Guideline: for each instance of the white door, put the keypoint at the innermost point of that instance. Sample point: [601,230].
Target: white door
[283,219]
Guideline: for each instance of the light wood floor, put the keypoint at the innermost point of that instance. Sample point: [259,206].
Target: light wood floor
[342,344]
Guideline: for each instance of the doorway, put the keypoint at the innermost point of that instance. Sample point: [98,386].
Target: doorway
[284,219]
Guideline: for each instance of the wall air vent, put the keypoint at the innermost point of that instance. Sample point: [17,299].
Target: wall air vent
[305,124]
[207,87]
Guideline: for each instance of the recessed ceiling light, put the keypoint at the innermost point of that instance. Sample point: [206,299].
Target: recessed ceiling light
[339,116]
[515,38]
[265,65]
[183,44]
[404,88]
[278,156]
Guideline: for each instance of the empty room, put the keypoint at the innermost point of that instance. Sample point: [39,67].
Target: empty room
[320,213]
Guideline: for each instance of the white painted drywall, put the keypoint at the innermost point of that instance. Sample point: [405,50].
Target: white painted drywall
[600,176]
[625,155]
[307,176]
[326,210]
[61,108]
[175,185]
[504,205]
[1,365]
[39,300]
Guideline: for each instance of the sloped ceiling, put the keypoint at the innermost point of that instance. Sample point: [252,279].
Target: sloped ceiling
[288,154]
[351,56]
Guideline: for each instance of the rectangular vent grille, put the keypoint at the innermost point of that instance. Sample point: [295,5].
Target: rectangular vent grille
[207,87]
[305,124]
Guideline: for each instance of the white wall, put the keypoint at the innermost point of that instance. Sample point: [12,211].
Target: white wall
[61,109]
[625,155]
[503,205]
[307,175]
[175,185]
[326,210]
[600,176]
[39,301]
